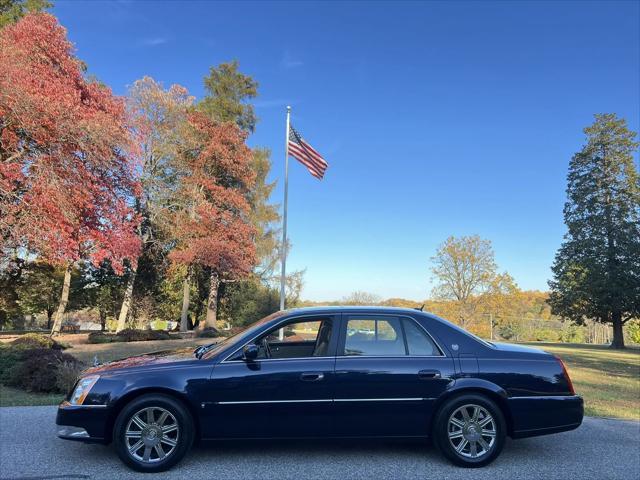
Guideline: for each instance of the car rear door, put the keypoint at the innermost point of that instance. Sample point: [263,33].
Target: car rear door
[286,394]
[389,371]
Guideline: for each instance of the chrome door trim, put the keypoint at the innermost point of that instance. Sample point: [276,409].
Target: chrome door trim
[544,397]
[380,399]
[322,400]
[250,402]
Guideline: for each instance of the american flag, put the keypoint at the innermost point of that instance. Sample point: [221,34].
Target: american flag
[306,154]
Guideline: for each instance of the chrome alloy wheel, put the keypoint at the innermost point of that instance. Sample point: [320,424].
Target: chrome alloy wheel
[472,431]
[151,435]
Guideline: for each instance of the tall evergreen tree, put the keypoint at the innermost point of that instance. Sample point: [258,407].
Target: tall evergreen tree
[597,268]
[228,95]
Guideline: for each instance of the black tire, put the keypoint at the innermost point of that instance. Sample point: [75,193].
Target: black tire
[464,458]
[182,436]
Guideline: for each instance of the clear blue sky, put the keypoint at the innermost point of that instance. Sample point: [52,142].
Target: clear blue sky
[437,118]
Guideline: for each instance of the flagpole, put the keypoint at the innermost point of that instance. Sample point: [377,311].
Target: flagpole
[284,215]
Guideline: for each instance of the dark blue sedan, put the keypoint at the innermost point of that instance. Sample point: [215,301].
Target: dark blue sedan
[326,372]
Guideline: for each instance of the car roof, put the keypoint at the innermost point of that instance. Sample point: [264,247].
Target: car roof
[353,309]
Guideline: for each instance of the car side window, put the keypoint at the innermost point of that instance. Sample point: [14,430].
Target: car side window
[297,339]
[418,341]
[375,336]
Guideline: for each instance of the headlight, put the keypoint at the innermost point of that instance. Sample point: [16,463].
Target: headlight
[82,389]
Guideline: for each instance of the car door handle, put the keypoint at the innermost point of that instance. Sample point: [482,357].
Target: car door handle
[311,376]
[428,374]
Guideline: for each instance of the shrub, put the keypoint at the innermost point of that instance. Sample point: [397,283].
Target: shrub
[38,370]
[37,340]
[66,375]
[133,335]
[10,356]
[101,337]
[546,335]
[633,329]
[208,332]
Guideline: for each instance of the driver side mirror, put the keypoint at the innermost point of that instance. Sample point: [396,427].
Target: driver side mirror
[250,352]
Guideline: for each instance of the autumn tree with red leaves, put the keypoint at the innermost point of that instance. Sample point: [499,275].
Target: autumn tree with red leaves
[66,176]
[212,227]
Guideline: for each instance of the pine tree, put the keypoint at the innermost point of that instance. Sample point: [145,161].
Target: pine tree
[597,268]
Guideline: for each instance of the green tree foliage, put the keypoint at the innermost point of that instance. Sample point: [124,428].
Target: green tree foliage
[13,10]
[11,269]
[39,290]
[101,288]
[245,302]
[596,273]
[633,328]
[228,94]
[264,215]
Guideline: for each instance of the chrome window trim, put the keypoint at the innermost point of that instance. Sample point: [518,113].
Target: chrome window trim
[276,359]
[442,351]
[330,358]
[391,356]
[399,316]
[317,315]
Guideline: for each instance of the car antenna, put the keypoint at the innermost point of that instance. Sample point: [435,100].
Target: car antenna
[420,308]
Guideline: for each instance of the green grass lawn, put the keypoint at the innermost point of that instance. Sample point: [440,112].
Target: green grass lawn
[107,352]
[13,397]
[608,380]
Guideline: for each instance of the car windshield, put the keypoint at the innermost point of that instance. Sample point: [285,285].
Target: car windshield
[216,347]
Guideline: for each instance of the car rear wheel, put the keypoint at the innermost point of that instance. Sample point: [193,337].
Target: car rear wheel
[470,430]
[153,432]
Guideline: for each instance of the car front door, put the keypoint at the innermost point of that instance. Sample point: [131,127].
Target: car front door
[285,392]
[389,371]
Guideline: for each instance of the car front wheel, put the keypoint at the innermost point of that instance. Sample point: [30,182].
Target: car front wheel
[470,430]
[153,432]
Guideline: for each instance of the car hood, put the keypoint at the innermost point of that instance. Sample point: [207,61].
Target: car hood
[148,360]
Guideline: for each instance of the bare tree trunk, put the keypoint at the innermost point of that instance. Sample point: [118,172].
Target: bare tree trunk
[49,317]
[126,301]
[618,334]
[186,291]
[64,299]
[212,303]
[103,320]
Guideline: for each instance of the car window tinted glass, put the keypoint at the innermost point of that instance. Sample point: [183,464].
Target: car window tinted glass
[296,332]
[306,338]
[374,337]
[418,342]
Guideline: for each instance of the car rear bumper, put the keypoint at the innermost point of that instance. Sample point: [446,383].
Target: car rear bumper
[84,423]
[542,415]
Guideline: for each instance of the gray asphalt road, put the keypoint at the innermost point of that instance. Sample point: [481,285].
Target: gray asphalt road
[599,449]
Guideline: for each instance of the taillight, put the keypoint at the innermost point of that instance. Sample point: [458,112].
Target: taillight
[566,375]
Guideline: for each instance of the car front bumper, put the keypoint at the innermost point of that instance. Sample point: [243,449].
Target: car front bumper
[85,423]
[542,415]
